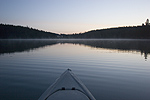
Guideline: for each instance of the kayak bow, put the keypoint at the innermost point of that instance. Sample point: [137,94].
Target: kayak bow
[67,87]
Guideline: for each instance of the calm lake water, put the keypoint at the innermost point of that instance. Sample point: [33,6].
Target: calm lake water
[111,69]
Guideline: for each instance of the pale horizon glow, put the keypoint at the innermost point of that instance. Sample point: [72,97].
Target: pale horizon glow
[74,16]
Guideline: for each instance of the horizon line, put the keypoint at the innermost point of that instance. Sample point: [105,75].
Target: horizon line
[75,32]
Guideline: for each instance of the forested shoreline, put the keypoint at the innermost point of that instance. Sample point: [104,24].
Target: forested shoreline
[20,32]
[130,32]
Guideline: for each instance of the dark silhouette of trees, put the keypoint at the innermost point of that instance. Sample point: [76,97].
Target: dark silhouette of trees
[147,22]
[11,31]
[135,32]
[132,32]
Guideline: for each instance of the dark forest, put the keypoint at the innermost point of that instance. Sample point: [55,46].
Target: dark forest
[130,32]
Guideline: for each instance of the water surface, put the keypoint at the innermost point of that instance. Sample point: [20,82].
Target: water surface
[111,69]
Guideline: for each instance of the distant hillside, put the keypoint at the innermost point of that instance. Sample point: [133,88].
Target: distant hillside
[20,32]
[11,32]
[135,32]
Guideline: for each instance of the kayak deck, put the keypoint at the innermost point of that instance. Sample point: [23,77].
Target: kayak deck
[67,87]
[68,95]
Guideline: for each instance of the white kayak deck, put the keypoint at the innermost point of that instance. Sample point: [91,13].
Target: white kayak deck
[68,95]
[67,87]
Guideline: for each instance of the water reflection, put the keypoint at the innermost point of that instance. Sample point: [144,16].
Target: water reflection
[12,46]
[127,45]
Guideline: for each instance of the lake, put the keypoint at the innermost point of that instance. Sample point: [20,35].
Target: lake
[111,69]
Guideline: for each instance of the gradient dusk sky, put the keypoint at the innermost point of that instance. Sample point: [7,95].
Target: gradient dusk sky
[74,16]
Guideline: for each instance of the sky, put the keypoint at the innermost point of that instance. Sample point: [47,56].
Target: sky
[74,16]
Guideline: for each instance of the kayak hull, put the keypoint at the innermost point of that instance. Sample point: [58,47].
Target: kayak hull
[67,87]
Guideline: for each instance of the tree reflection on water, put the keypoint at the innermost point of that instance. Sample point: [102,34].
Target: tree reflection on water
[12,46]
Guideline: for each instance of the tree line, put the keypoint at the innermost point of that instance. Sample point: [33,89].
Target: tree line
[131,32]
[15,32]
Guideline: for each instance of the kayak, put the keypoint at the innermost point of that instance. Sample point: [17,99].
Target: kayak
[67,87]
